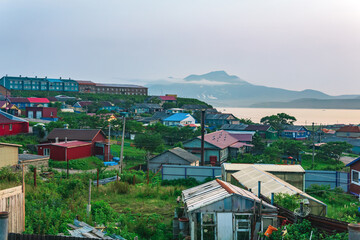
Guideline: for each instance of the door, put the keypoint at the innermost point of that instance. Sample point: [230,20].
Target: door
[38,114]
[30,114]
[225,226]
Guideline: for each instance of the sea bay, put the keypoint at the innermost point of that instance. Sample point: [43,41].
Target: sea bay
[303,116]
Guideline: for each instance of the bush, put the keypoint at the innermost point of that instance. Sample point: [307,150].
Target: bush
[120,187]
[287,201]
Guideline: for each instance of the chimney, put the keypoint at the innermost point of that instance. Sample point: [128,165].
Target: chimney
[65,139]
[4,224]
[56,139]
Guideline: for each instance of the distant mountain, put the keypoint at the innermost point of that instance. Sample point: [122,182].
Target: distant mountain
[223,90]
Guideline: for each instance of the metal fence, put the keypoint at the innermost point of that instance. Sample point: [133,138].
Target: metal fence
[18,236]
[12,201]
[332,178]
[200,173]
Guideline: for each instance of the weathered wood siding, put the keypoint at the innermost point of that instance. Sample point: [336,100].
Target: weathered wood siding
[11,200]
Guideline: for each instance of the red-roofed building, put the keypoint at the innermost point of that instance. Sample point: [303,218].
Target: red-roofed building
[167,99]
[218,146]
[350,131]
[64,151]
[11,125]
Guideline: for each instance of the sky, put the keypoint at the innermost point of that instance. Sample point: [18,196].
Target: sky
[297,44]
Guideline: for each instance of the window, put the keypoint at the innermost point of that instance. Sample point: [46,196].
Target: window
[243,226]
[355,177]
[10,127]
[208,226]
[46,151]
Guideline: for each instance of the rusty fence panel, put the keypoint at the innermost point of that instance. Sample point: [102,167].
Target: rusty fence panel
[12,201]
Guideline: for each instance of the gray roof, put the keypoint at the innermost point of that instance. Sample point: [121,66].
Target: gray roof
[238,127]
[32,157]
[353,141]
[216,116]
[184,154]
[147,105]
[293,127]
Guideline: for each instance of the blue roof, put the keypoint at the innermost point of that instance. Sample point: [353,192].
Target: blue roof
[54,80]
[177,117]
[354,161]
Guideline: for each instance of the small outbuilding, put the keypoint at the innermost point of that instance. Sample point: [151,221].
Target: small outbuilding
[220,210]
[9,154]
[45,113]
[354,176]
[250,177]
[64,151]
[37,161]
[175,156]
[293,174]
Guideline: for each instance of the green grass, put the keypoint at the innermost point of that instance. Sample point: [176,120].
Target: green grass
[320,164]
[78,164]
[132,155]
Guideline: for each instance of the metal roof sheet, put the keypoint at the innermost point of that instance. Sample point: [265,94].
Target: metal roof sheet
[220,139]
[176,117]
[264,167]
[217,190]
[249,178]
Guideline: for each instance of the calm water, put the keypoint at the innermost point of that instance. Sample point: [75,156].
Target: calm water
[303,116]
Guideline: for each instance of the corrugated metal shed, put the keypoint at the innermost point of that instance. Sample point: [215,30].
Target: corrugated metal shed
[249,178]
[214,191]
[264,167]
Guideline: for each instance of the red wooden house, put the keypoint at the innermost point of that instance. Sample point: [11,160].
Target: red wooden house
[97,138]
[64,151]
[46,113]
[354,187]
[11,125]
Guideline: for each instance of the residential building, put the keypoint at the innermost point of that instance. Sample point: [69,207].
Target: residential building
[295,132]
[350,131]
[45,113]
[293,174]
[167,99]
[65,151]
[355,142]
[174,156]
[8,107]
[39,84]
[11,125]
[174,110]
[22,103]
[179,119]
[124,89]
[354,187]
[155,118]
[218,147]
[97,138]
[220,210]
[9,154]
[219,119]
[33,160]
[4,91]
[150,108]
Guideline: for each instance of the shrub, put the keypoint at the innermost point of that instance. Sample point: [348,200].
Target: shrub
[120,187]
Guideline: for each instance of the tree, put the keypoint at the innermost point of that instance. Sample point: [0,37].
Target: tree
[289,147]
[333,150]
[259,145]
[149,142]
[278,120]
[246,121]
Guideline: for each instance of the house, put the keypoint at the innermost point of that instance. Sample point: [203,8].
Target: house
[220,210]
[354,187]
[175,156]
[20,102]
[4,91]
[194,107]
[179,119]
[45,113]
[150,108]
[155,118]
[219,119]
[9,154]
[65,151]
[38,102]
[218,147]
[97,138]
[355,142]
[295,132]
[293,174]
[167,99]
[10,108]
[81,105]
[265,131]
[174,110]
[11,125]
[350,131]
[33,160]
[250,177]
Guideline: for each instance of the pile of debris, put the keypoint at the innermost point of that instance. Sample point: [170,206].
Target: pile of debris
[84,230]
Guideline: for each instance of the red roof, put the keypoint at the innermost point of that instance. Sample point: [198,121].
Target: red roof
[168,98]
[68,144]
[220,139]
[349,128]
[38,100]
[4,119]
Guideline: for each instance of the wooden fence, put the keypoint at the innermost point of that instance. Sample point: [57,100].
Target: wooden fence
[12,201]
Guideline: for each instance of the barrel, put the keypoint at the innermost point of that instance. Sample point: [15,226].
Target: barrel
[175,228]
[4,224]
[184,226]
[354,231]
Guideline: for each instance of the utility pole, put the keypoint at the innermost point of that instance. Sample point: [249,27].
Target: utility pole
[202,137]
[313,145]
[122,146]
[109,143]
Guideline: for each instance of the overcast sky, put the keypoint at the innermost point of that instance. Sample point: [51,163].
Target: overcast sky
[297,44]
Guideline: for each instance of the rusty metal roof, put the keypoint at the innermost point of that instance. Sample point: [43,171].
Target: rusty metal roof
[211,192]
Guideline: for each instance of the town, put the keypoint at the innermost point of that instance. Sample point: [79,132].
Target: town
[109,161]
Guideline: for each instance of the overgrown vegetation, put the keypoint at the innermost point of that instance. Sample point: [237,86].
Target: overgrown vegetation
[78,164]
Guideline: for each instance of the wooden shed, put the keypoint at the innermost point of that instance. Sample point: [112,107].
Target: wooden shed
[9,154]
[249,178]
[293,174]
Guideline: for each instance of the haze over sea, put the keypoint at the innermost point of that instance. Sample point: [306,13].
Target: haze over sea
[303,116]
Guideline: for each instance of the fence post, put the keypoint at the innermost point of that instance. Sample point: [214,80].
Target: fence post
[34,177]
[213,173]
[97,178]
[259,189]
